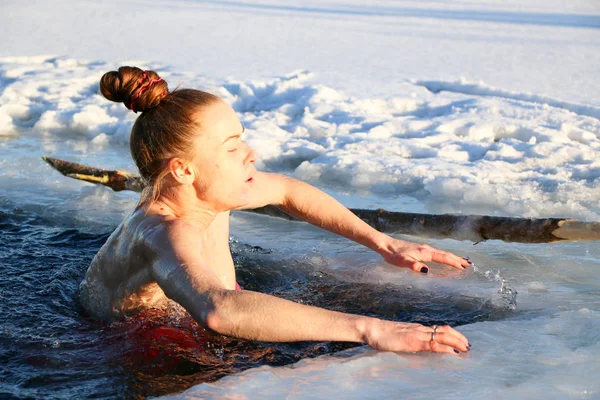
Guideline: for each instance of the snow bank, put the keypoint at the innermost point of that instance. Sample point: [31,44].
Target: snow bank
[457,147]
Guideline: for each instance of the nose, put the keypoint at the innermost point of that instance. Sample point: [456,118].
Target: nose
[250,156]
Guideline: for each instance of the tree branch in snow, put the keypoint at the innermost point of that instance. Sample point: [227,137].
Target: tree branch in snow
[476,228]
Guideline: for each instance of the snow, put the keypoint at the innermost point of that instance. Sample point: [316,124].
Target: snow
[363,48]
[454,147]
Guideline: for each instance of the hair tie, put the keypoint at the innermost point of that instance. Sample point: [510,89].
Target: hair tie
[143,89]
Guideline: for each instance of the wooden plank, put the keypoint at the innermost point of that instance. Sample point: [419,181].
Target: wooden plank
[475,228]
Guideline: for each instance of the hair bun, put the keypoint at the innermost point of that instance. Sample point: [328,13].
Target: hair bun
[139,90]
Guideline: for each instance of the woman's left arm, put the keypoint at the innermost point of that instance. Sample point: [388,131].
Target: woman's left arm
[310,204]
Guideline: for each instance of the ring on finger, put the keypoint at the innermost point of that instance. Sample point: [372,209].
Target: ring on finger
[435,328]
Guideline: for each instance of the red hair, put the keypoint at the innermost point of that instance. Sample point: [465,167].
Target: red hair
[168,123]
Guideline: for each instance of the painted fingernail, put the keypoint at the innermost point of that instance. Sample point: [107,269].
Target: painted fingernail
[468,260]
[456,351]
[424,270]
[469,345]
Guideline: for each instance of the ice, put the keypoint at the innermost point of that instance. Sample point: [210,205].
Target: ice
[367,50]
[452,151]
[480,89]
[500,364]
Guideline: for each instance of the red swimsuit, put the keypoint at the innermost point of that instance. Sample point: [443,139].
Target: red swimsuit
[158,343]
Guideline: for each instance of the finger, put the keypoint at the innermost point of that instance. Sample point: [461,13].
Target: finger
[450,259]
[450,339]
[419,267]
[426,329]
[445,338]
[436,347]
[451,331]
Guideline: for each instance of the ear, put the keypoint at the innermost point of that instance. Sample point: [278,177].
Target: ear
[182,171]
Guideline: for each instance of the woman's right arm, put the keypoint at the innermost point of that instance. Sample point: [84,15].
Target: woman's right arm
[185,278]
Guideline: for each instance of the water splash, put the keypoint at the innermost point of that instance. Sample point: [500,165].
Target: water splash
[506,297]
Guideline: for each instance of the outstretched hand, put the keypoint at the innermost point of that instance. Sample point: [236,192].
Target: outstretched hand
[413,256]
[409,337]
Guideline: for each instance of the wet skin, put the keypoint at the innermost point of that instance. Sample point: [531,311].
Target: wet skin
[177,248]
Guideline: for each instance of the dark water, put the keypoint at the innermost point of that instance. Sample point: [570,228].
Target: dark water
[50,349]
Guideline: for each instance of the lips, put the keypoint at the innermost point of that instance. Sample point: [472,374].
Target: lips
[251,177]
[252,171]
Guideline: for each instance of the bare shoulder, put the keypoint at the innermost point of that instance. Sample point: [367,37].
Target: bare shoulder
[176,234]
[178,246]
[267,188]
[180,269]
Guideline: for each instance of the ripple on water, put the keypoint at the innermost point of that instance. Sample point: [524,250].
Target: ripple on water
[53,349]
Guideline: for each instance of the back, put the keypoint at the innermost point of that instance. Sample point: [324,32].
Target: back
[119,282]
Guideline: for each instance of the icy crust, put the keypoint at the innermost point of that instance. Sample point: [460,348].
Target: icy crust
[458,147]
[499,365]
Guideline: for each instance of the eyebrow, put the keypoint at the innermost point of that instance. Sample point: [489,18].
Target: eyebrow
[235,136]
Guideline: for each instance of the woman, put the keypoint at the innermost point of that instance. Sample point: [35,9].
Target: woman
[187,145]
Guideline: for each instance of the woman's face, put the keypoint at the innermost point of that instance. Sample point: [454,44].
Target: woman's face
[224,164]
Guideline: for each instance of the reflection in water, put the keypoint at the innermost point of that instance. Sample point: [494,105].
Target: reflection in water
[54,350]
